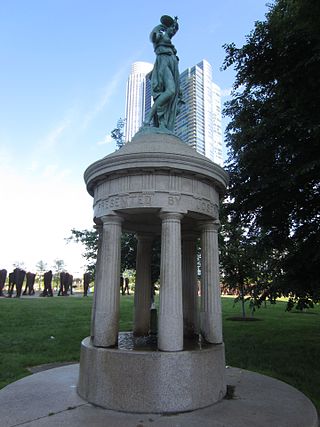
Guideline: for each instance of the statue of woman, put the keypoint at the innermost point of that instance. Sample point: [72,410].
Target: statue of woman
[164,77]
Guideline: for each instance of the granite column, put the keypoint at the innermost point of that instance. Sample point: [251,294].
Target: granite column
[189,284]
[106,318]
[170,324]
[210,314]
[142,293]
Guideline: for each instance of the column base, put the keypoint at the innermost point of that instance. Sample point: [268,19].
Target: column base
[170,332]
[151,381]
[211,328]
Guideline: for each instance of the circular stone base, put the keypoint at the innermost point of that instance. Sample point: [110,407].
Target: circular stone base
[151,381]
[258,401]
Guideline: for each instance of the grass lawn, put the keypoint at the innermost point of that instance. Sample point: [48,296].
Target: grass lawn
[44,330]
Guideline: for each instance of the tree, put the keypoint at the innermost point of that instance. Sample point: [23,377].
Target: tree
[58,267]
[89,238]
[118,133]
[273,140]
[249,268]
[41,267]
[19,264]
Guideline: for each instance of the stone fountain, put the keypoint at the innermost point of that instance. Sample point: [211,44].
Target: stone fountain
[156,185]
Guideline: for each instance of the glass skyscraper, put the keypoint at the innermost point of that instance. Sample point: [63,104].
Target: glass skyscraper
[199,121]
[138,98]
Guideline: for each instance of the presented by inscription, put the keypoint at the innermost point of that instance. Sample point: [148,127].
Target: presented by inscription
[123,201]
[185,202]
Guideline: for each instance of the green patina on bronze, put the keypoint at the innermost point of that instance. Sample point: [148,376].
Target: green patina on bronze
[164,77]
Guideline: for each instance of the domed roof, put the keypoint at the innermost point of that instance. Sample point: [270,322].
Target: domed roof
[155,151]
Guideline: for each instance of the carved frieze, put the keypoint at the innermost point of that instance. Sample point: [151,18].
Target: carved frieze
[161,191]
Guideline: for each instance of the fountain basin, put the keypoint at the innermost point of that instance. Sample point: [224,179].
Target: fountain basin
[151,381]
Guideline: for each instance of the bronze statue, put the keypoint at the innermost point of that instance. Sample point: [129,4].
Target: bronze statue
[165,83]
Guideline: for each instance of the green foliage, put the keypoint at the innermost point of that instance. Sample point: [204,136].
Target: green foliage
[41,267]
[58,267]
[118,133]
[89,238]
[249,268]
[273,140]
[128,251]
[155,260]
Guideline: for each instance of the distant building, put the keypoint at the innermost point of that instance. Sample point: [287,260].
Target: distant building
[199,121]
[138,98]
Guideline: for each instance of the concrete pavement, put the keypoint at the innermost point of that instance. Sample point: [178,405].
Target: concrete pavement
[49,398]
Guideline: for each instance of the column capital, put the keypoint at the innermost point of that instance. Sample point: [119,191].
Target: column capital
[111,219]
[210,225]
[164,215]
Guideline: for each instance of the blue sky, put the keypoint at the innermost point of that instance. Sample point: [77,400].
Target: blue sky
[63,71]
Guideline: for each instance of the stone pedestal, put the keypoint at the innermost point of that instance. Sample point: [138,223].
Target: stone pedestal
[151,382]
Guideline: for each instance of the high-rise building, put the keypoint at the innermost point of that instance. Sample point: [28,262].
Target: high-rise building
[138,98]
[199,121]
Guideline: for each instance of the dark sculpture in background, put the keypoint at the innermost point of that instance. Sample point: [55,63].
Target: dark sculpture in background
[16,279]
[66,281]
[31,277]
[3,276]
[47,279]
[87,278]
[165,85]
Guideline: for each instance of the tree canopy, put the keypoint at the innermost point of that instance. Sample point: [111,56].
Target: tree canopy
[117,134]
[273,139]
[89,239]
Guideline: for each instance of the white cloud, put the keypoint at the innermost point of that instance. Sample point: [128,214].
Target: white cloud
[54,173]
[51,139]
[107,93]
[34,165]
[106,140]
[5,156]
[37,214]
